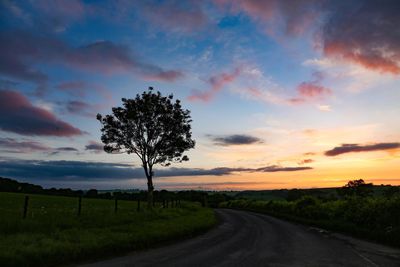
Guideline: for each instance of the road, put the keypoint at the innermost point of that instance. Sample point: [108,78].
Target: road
[251,239]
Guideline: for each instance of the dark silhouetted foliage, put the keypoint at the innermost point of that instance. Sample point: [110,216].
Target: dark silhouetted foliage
[91,193]
[356,188]
[151,126]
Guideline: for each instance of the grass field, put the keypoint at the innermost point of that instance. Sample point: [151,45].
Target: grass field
[53,234]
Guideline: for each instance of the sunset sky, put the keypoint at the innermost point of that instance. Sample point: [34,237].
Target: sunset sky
[283,94]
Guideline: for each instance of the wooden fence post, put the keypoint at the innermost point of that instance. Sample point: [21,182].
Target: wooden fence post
[205,204]
[138,205]
[163,203]
[116,205]
[79,205]
[25,206]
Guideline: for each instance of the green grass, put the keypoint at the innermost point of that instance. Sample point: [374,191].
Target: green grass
[53,234]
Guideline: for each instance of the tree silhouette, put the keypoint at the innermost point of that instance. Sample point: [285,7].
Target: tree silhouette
[151,126]
[356,188]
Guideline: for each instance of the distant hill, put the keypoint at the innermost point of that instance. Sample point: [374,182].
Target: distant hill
[10,185]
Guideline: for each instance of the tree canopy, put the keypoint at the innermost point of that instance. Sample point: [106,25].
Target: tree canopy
[356,188]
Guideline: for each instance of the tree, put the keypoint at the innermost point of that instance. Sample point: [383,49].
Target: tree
[151,126]
[356,188]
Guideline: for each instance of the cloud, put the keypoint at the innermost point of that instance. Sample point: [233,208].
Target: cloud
[235,139]
[11,145]
[177,16]
[362,32]
[348,148]
[50,15]
[305,161]
[19,116]
[21,51]
[67,149]
[291,17]
[95,147]
[39,170]
[79,88]
[254,85]
[372,40]
[325,108]
[216,82]
[75,88]
[81,108]
[275,168]
[311,90]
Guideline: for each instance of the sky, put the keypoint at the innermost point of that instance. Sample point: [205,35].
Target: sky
[283,94]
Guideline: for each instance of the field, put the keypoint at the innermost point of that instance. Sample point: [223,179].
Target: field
[53,233]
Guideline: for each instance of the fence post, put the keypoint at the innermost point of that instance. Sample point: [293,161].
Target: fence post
[138,205]
[79,205]
[26,206]
[167,203]
[116,205]
[163,203]
[205,204]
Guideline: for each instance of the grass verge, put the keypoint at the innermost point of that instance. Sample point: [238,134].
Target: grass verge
[53,234]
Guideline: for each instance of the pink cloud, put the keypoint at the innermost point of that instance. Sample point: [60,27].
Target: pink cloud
[312,90]
[216,82]
[371,40]
[373,60]
[19,116]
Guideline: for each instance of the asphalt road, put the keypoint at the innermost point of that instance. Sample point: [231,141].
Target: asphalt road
[251,239]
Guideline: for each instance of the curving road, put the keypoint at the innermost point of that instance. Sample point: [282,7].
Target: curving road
[251,239]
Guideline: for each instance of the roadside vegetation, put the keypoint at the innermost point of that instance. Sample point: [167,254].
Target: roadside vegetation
[52,232]
[357,209]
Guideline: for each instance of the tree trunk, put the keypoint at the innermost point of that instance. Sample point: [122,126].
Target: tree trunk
[150,189]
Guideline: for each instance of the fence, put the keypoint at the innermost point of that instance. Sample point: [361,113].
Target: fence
[163,204]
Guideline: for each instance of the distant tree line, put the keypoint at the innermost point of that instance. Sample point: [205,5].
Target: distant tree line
[207,199]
